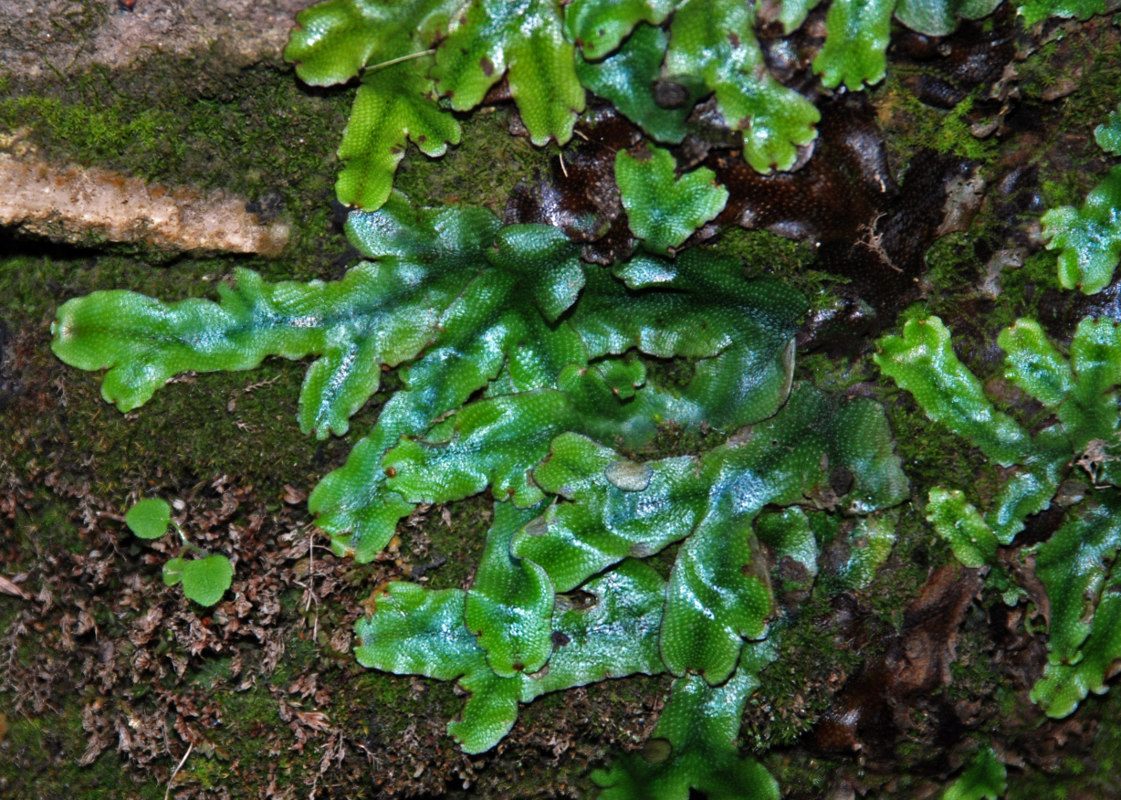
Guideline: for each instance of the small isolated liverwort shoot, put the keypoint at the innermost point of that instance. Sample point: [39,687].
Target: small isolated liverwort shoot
[205,579]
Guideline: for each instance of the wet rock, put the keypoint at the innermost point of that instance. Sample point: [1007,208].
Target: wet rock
[580,196]
[945,69]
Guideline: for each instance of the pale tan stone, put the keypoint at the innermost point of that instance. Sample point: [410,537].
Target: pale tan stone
[79,204]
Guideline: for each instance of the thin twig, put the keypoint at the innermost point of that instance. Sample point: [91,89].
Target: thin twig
[179,766]
[309,585]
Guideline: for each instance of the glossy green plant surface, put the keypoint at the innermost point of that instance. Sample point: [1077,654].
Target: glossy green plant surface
[1108,134]
[422,59]
[1034,11]
[338,40]
[962,526]
[510,605]
[1064,686]
[420,631]
[529,374]
[546,368]
[923,362]
[710,48]
[450,295]
[542,380]
[1078,568]
[1089,238]
[390,109]
[855,51]
[663,209]
[1081,447]
[718,593]
[626,77]
[939,17]
[598,27]
[1079,390]
[693,747]
[870,543]
[525,38]
[391,45]
[714,41]
[793,13]
[376,315]
[1073,565]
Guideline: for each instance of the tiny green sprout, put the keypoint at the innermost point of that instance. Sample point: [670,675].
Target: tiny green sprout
[204,579]
[985,779]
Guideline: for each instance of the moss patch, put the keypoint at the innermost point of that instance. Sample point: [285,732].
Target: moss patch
[39,758]
[482,170]
[912,125]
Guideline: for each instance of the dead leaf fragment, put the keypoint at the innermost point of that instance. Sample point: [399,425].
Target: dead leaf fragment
[7,587]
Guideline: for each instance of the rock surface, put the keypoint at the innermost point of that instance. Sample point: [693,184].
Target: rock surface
[74,204]
[69,36]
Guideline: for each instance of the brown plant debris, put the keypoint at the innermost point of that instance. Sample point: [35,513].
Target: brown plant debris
[900,691]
